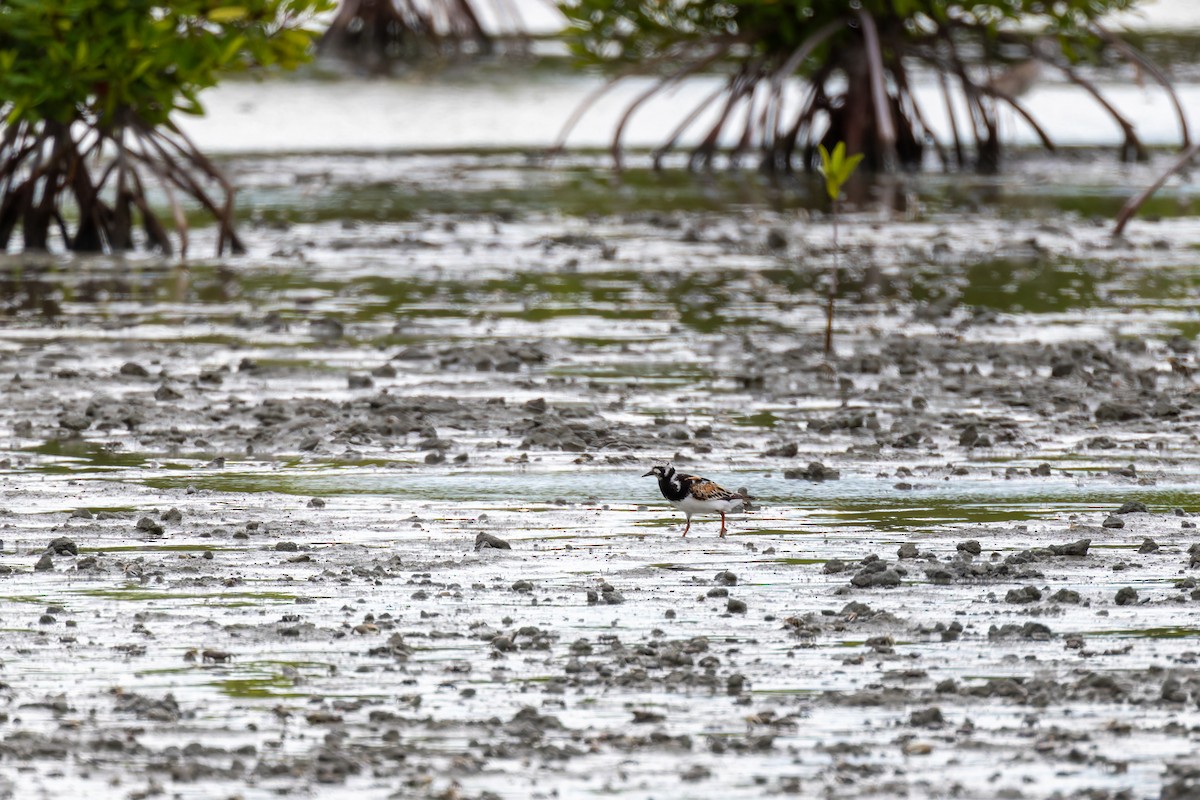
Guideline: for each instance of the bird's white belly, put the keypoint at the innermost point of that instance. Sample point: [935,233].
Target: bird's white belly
[690,505]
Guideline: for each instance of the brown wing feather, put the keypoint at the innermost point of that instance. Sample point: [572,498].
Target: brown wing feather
[704,489]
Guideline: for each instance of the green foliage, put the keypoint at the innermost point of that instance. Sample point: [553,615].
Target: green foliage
[635,30]
[836,168]
[87,90]
[64,60]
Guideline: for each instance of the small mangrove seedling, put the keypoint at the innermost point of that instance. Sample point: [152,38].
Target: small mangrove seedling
[837,169]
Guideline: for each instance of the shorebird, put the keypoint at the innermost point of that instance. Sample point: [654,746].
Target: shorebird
[692,494]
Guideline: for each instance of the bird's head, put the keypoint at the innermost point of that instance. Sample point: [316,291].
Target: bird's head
[660,471]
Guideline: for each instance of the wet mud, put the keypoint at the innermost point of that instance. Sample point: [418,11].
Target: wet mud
[359,515]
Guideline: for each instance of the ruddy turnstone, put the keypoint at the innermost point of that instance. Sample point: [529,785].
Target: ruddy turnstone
[692,494]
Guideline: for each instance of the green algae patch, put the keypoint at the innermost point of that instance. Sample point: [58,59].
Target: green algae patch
[224,599]
[1170,632]
[271,679]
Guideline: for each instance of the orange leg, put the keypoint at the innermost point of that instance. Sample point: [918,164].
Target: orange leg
[688,527]
[722,524]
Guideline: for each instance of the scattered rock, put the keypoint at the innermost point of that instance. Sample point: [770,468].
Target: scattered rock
[165,393]
[1148,546]
[1113,521]
[1173,691]
[610,596]
[1026,594]
[1029,630]
[1123,472]
[1126,595]
[1116,412]
[927,718]
[969,436]
[483,540]
[1066,596]
[970,546]
[1182,781]
[134,370]
[876,574]
[1079,548]
[165,709]
[384,371]
[62,546]
[815,471]
[1133,507]
[149,526]
[1061,369]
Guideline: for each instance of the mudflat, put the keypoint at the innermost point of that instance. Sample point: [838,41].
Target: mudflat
[359,514]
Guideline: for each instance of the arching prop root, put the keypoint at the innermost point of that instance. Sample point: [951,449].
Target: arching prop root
[106,176]
[855,68]
[1136,202]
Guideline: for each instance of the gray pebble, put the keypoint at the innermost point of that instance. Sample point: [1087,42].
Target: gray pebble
[62,546]
[1126,595]
[149,526]
[1026,594]
[483,540]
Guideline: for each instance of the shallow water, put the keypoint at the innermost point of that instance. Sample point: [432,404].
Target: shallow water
[420,114]
[661,326]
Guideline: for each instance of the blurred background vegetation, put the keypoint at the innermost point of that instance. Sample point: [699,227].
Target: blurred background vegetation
[92,92]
